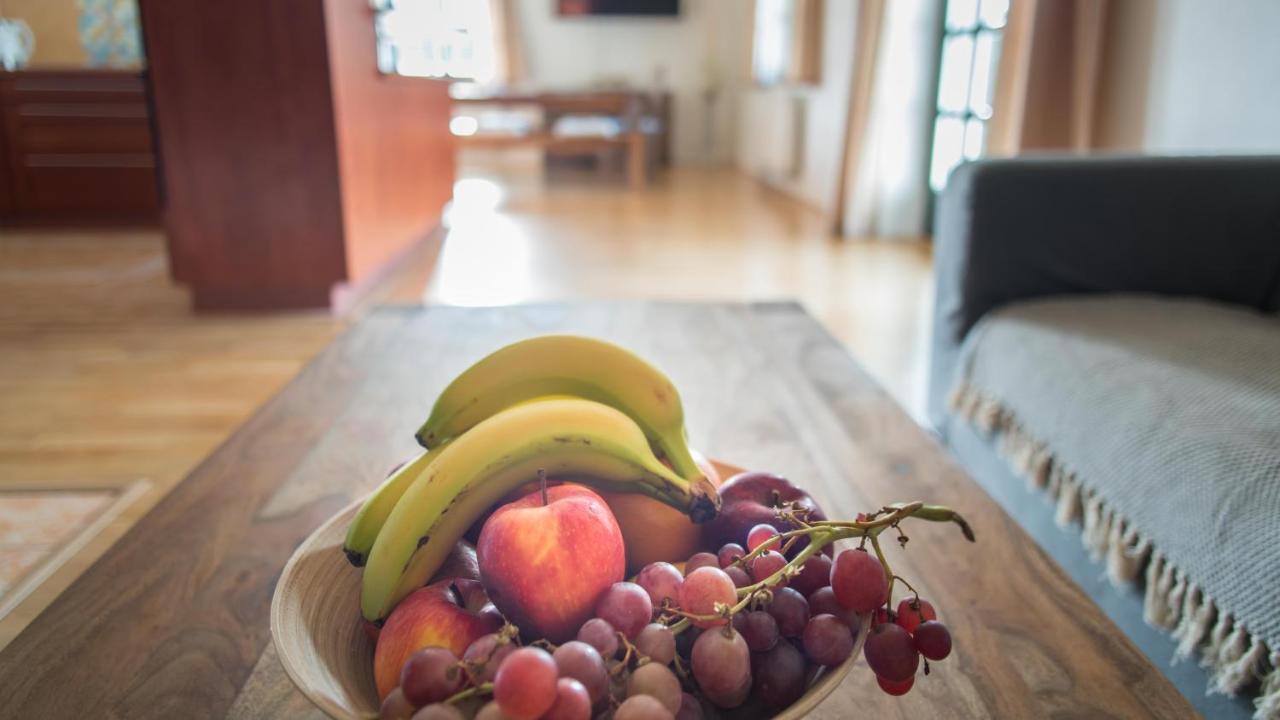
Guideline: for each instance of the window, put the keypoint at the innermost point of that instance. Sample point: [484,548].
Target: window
[966,81]
[435,38]
[787,42]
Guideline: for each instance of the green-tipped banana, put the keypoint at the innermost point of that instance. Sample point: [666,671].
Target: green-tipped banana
[588,440]
[368,522]
[565,365]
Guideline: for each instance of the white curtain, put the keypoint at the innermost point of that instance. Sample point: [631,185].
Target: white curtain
[886,188]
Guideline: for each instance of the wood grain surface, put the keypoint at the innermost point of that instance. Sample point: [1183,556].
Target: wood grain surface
[173,620]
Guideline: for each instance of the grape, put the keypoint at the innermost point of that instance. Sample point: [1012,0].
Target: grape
[642,707]
[779,675]
[440,711]
[396,707]
[884,615]
[491,711]
[525,686]
[430,675]
[760,534]
[662,581]
[721,664]
[702,589]
[702,559]
[625,606]
[827,640]
[690,708]
[759,629]
[582,662]
[791,611]
[896,688]
[739,576]
[486,654]
[572,702]
[823,602]
[763,566]
[657,642]
[814,574]
[859,581]
[686,639]
[600,635]
[730,554]
[890,652]
[656,681]
[913,611]
[933,640]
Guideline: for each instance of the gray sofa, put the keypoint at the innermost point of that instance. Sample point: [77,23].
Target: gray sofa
[1106,363]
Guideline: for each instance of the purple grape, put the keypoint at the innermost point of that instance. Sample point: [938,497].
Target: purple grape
[827,640]
[791,611]
[890,652]
[600,635]
[779,675]
[721,664]
[657,642]
[582,662]
[760,630]
[626,606]
[933,640]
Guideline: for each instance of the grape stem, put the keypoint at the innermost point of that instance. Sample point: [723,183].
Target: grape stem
[481,689]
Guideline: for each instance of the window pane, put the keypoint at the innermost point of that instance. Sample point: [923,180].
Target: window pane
[962,14]
[953,82]
[772,42]
[986,56]
[974,132]
[948,149]
[994,13]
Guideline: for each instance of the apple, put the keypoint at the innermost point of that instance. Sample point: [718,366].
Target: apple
[451,614]
[752,498]
[545,558]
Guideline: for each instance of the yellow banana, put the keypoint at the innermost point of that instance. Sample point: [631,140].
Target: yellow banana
[369,520]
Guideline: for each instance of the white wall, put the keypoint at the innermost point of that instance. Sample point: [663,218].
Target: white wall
[706,46]
[765,128]
[1193,76]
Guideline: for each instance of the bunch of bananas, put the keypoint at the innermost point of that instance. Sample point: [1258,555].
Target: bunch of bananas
[560,405]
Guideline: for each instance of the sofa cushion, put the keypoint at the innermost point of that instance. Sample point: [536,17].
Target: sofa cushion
[1155,422]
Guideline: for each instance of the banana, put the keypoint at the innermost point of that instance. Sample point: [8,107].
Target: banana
[588,440]
[566,365]
[369,520]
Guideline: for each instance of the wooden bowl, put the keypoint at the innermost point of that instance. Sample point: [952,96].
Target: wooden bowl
[315,624]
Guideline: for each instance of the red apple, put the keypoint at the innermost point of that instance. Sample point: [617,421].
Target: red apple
[751,498]
[451,614]
[546,557]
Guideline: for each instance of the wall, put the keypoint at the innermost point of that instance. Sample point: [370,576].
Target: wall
[1189,76]
[55,24]
[767,114]
[705,46]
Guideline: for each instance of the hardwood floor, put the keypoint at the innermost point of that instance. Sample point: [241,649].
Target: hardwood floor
[111,384]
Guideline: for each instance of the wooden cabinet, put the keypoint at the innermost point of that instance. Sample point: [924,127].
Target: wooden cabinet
[75,147]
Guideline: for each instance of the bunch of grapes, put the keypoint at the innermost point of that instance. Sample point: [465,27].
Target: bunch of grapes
[742,622]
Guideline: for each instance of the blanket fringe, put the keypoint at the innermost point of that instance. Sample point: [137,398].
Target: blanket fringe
[1234,658]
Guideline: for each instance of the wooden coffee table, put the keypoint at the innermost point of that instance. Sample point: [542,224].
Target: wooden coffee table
[172,621]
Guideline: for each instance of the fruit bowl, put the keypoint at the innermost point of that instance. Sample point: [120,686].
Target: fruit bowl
[315,625]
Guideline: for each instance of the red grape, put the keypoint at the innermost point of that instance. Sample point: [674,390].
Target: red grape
[662,581]
[890,652]
[441,711]
[765,565]
[896,688]
[721,664]
[814,574]
[859,581]
[823,602]
[827,640]
[698,560]
[884,615]
[791,611]
[759,629]
[430,675]
[913,611]
[600,635]
[625,606]
[486,654]
[491,711]
[580,661]
[657,642]
[690,708]
[760,534]
[572,702]
[779,675]
[729,554]
[702,589]
[395,706]
[656,681]
[525,686]
[642,707]
[739,576]
[933,640]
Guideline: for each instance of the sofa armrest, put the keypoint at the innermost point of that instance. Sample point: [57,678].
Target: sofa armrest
[1023,228]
